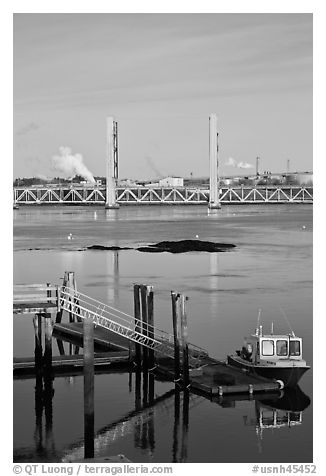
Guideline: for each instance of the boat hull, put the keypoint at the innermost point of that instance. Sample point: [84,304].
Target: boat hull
[289,375]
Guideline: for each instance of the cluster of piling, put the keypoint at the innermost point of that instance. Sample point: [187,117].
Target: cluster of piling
[144,323]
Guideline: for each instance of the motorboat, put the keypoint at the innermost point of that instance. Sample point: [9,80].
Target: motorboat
[273,356]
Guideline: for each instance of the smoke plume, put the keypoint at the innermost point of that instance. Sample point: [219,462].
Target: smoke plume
[71,164]
[240,165]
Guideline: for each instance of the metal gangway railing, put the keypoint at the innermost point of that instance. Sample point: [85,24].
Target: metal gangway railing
[123,324]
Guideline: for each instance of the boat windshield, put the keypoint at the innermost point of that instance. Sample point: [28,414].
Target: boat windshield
[267,347]
[281,347]
[295,347]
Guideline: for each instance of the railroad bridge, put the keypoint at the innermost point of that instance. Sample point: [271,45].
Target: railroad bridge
[141,195]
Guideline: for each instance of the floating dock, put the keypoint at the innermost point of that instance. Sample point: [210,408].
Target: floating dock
[107,362]
[212,377]
[130,342]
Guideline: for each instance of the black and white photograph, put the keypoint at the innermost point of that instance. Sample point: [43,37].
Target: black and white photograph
[162,240]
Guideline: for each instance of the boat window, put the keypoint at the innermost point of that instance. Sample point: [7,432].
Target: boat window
[295,347]
[268,347]
[281,347]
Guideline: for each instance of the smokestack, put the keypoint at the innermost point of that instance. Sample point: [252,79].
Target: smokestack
[288,166]
[214,200]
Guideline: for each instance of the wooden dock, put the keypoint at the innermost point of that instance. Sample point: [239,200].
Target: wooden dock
[126,342]
[212,378]
[73,364]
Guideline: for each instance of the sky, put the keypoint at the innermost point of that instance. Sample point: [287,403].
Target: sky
[161,76]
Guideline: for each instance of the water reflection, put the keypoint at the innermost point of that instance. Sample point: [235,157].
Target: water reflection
[43,433]
[283,411]
[151,413]
[112,271]
[140,422]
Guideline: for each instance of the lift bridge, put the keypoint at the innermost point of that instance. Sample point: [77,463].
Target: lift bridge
[112,195]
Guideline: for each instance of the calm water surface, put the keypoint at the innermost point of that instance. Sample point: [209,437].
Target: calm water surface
[270,268]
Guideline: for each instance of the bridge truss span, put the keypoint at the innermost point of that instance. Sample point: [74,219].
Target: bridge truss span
[132,195]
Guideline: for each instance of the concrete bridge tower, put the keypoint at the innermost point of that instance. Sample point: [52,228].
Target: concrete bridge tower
[111,162]
[214,200]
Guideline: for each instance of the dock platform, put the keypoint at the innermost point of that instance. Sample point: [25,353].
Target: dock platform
[73,364]
[213,377]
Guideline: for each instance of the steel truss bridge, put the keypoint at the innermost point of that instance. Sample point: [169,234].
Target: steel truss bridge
[83,194]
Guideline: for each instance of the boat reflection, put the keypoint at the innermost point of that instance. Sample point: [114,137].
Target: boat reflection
[284,411]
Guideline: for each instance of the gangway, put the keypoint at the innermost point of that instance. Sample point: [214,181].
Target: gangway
[123,324]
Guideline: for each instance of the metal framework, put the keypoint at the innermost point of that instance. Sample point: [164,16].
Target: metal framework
[87,194]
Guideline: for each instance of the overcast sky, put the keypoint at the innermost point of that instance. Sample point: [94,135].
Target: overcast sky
[160,76]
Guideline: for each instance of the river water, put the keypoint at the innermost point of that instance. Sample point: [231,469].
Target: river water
[270,269]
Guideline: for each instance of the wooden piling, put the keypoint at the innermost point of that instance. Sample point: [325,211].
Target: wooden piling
[176,325]
[130,358]
[37,322]
[150,320]
[184,341]
[88,388]
[48,342]
[58,317]
[144,319]
[138,350]
[71,284]
[48,292]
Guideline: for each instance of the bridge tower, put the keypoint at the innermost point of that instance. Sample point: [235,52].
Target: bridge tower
[214,200]
[111,162]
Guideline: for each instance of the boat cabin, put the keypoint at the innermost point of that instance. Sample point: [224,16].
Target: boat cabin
[271,348]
